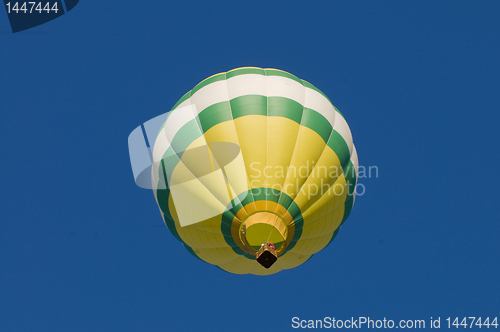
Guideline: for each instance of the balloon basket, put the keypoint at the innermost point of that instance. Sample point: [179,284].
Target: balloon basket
[266,256]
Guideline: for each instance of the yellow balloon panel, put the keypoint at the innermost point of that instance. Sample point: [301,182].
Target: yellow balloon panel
[240,265]
[252,137]
[291,260]
[216,256]
[326,224]
[311,246]
[322,177]
[198,237]
[282,135]
[235,171]
[307,151]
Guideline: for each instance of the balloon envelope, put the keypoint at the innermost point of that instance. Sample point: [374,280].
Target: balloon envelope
[253,156]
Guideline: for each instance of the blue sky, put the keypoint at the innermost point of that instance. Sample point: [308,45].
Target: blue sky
[83,248]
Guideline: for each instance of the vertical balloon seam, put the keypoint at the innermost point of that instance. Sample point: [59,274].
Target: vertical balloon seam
[349,200]
[187,143]
[297,230]
[314,167]
[293,154]
[347,204]
[205,130]
[236,131]
[169,221]
[326,146]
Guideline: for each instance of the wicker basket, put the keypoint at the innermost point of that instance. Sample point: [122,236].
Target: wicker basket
[266,256]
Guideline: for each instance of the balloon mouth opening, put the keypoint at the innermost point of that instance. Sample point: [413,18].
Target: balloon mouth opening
[263,228]
[266,256]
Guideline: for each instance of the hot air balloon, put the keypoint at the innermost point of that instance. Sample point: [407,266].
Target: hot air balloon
[254,171]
